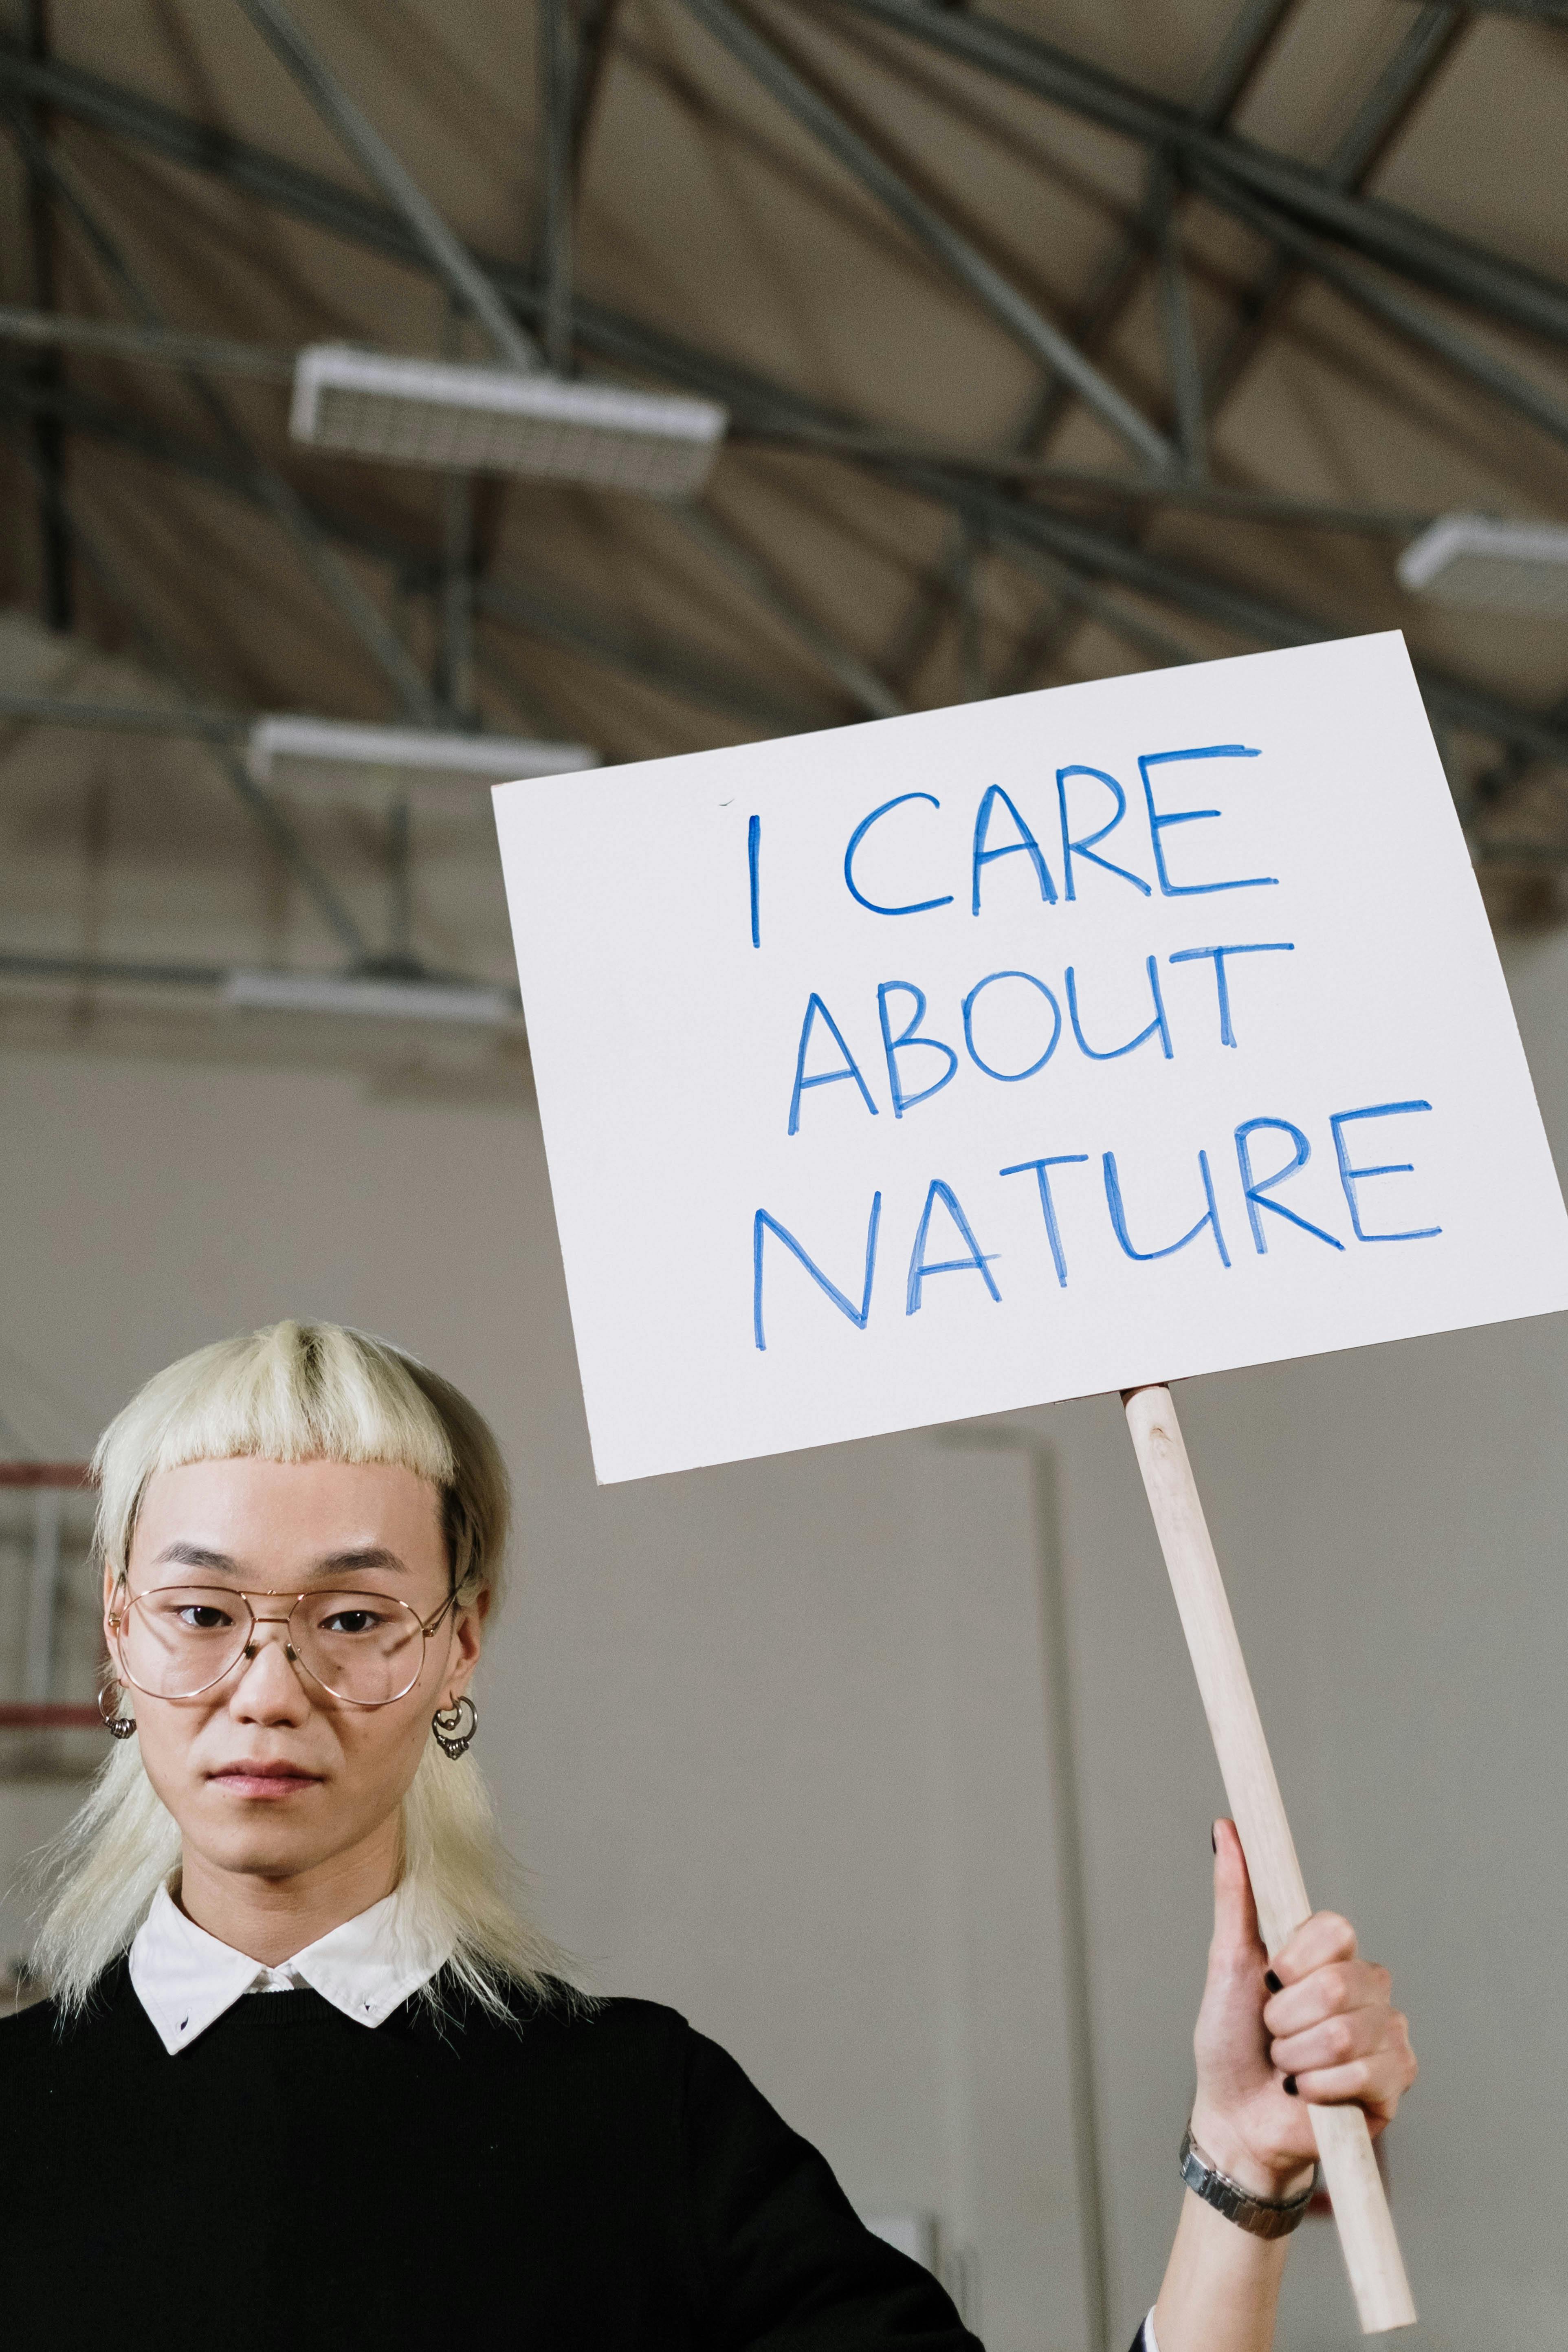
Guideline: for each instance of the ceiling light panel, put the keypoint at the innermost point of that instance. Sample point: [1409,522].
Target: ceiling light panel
[342,760]
[369,998]
[1505,567]
[479,420]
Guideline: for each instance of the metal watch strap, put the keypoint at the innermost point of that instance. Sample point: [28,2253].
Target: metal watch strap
[1260,2215]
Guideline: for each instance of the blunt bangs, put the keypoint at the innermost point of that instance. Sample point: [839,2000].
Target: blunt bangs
[307,1391]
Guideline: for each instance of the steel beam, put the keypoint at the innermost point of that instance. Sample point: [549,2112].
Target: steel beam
[596,20]
[681,671]
[260,805]
[1247,614]
[156,346]
[1245,44]
[330,573]
[1394,309]
[557,89]
[448,256]
[112,972]
[695,677]
[1408,74]
[48,438]
[1039,337]
[868,444]
[1540,12]
[1406,78]
[754,400]
[309,196]
[454,679]
[772,595]
[123,718]
[1085,599]
[454,661]
[1176,320]
[1383,232]
[646,657]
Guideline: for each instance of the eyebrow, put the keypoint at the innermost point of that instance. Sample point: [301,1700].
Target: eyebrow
[363,1556]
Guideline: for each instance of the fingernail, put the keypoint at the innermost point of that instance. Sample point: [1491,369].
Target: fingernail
[1291,2090]
[1214,1839]
[1272,1981]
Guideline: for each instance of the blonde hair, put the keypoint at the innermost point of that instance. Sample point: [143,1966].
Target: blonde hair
[305,1392]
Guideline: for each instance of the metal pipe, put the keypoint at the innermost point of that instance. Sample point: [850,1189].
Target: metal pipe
[1045,342]
[449,258]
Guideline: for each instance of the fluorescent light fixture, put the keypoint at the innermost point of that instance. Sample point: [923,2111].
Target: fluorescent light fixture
[370,998]
[329,754]
[1509,567]
[484,420]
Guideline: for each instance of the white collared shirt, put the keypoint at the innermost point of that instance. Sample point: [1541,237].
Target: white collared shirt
[186,1979]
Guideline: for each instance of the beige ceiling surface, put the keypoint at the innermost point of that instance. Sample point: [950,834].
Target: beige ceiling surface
[746,254]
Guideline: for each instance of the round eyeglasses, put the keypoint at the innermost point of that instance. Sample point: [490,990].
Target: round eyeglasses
[364,1648]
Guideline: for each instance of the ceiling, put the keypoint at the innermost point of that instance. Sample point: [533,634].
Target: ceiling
[1059,340]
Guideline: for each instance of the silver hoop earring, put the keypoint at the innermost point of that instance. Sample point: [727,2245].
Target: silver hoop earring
[118,1725]
[452,1733]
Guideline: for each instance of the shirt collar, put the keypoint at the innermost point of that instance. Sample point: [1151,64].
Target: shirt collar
[186,1979]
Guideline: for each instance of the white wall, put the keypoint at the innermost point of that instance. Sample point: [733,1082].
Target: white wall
[771,1737]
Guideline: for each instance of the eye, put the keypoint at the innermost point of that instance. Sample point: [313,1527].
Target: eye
[352,1621]
[203,1617]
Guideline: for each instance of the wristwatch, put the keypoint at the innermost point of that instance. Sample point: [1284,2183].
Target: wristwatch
[1260,2215]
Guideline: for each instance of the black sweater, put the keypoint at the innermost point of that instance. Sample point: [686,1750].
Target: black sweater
[585,2181]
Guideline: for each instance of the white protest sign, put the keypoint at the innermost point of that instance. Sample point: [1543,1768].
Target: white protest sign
[1035,1047]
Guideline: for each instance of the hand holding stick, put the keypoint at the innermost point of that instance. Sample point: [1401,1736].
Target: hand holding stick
[1345,2145]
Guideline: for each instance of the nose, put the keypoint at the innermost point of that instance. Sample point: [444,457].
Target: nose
[268,1687]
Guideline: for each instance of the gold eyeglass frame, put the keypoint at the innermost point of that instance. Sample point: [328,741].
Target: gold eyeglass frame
[117,1618]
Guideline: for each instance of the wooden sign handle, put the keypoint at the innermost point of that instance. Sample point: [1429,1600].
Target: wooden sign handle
[1381,2291]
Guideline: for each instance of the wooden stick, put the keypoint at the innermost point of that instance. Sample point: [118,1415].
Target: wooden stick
[1381,2291]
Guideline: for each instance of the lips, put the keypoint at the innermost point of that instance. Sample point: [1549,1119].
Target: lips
[265,1780]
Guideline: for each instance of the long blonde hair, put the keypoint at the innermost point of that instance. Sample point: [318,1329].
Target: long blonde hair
[302,1393]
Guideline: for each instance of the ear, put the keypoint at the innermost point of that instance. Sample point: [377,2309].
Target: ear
[467,1640]
[113,1591]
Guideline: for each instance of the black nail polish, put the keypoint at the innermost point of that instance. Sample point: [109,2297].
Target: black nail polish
[1214,1841]
[1291,2090]
[1272,1981]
